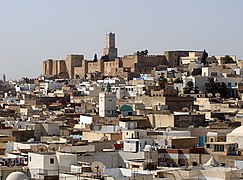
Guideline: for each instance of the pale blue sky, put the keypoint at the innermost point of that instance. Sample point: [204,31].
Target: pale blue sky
[32,30]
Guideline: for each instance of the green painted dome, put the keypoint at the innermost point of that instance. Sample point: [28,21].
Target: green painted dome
[126,108]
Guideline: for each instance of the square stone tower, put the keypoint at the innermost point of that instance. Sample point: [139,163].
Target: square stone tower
[110,50]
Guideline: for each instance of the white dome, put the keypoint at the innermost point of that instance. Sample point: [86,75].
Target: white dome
[17,175]
[238,131]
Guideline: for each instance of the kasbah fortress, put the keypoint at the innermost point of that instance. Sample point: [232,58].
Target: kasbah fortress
[110,65]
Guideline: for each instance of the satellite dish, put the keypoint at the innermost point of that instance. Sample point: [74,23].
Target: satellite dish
[217,95]
[53,147]
[104,138]
[119,129]
[169,128]
[239,173]
[236,111]
[98,168]
[34,149]
[210,95]
[191,126]
[42,148]
[185,109]
[189,168]
[31,140]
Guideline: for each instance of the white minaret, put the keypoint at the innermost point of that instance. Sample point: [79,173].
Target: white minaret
[107,103]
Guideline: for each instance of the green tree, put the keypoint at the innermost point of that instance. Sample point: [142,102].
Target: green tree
[190,88]
[178,80]
[211,86]
[145,52]
[105,58]
[162,82]
[227,60]
[204,57]
[95,57]
[223,90]
[216,87]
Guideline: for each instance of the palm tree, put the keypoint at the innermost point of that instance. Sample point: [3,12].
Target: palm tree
[190,88]
[216,87]
[211,86]
[145,52]
[204,57]
[227,59]
[223,90]
[178,80]
[162,82]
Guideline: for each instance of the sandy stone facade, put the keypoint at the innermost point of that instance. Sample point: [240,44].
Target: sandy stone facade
[75,66]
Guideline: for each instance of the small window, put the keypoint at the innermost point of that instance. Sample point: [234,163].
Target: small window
[214,73]
[30,158]
[229,84]
[51,160]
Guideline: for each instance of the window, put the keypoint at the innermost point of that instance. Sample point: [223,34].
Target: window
[214,74]
[208,146]
[30,158]
[219,148]
[135,166]
[51,160]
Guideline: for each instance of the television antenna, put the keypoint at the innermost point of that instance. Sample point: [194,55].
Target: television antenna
[98,168]
[31,140]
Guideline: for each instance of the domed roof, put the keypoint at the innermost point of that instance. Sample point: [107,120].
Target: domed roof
[238,130]
[17,175]
[126,108]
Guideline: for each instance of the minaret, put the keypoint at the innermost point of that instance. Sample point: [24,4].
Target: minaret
[4,78]
[110,50]
[107,103]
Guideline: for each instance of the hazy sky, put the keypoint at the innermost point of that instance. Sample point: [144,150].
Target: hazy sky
[32,31]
